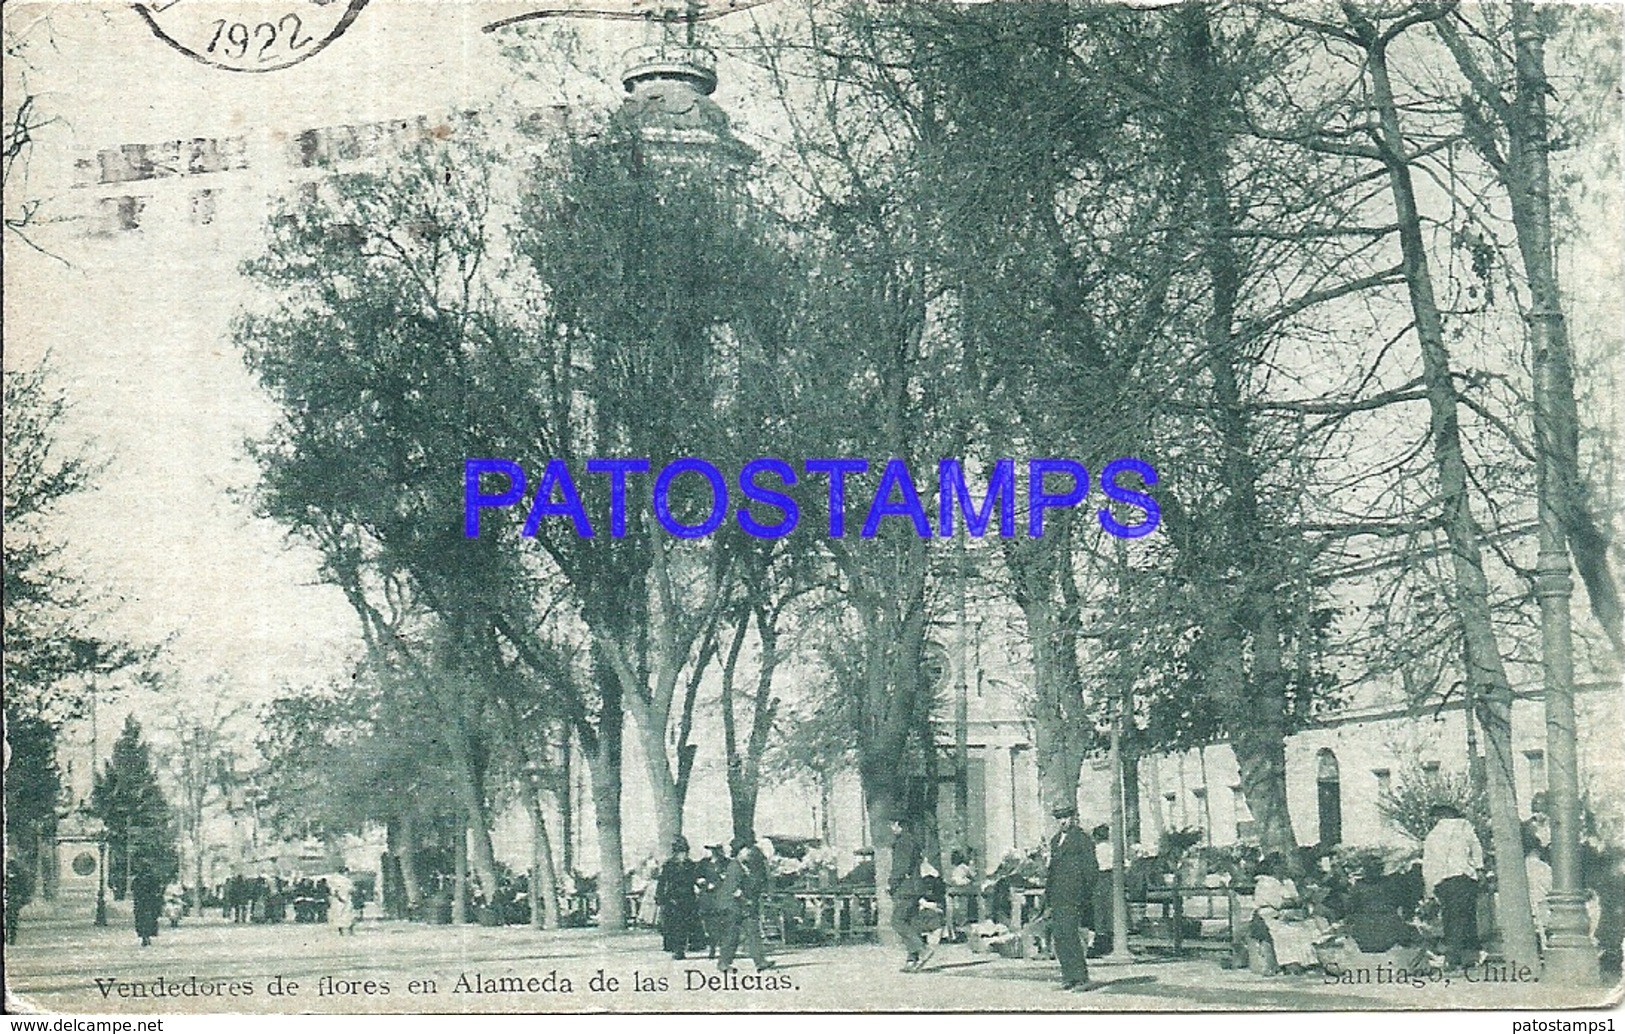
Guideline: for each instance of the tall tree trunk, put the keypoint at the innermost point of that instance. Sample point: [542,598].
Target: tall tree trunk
[606,802]
[544,887]
[1481,657]
[741,795]
[567,802]
[882,809]
[763,708]
[1058,723]
[471,796]
[408,854]
[1254,701]
[459,877]
[197,873]
[893,619]
[651,723]
[745,767]
[621,648]
[1037,568]
[1257,726]
[603,754]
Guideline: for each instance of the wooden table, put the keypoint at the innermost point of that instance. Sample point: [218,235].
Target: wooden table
[1172,900]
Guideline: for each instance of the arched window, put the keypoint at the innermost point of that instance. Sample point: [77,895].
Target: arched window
[1330,797]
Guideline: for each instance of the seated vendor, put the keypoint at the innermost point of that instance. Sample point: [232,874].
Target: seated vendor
[1376,920]
[1283,920]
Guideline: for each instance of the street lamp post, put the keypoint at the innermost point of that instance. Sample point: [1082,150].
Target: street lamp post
[1571,957]
[101,878]
[1120,951]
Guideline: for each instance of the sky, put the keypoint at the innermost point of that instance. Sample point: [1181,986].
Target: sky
[136,325]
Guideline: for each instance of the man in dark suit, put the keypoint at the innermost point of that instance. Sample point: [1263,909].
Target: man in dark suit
[711,870]
[904,885]
[743,884]
[1067,890]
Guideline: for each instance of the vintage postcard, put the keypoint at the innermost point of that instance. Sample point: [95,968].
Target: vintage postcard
[771,505]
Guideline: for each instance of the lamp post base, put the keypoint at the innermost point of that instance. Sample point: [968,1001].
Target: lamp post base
[1571,966]
[1571,956]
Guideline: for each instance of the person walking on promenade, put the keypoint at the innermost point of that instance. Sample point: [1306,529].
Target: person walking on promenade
[903,883]
[1452,858]
[146,900]
[1068,890]
[678,894]
[712,908]
[741,891]
[1101,893]
[341,902]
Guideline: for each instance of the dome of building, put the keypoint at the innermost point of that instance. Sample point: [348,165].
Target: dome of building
[670,105]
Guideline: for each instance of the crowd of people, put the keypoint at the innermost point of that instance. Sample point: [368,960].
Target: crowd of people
[272,899]
[1302,914]
[713,904]
[1426,913]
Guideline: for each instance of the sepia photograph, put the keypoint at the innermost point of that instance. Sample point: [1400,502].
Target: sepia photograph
[813,506]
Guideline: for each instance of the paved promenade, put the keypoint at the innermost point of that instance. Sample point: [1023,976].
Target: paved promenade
[64,964]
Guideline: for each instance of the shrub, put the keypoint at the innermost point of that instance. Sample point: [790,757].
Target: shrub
[1416,791]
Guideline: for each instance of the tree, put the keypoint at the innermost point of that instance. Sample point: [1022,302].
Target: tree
[408,345]
[33,791]
[52,653]
[378,358]
[195,762]
[1409,803]
[49,644]
[1513,136]
[1507,124]
[138,820]
[771,578]
[1383,140]
[1060,274]
[1052,307]
[350,754]
[660,280]
[24,119]
[872,379]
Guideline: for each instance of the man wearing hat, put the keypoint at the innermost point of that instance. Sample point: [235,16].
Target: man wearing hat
[711,870]
[904,885]
[1067,890]
[741,893]
[1452,859]
[678,897]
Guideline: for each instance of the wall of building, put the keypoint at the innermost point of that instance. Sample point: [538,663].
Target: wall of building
[1371,751]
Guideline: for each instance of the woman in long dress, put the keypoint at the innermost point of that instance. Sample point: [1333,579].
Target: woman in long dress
[678,897]
[341,904]
[648,907]
[1291,928]
[146,901]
